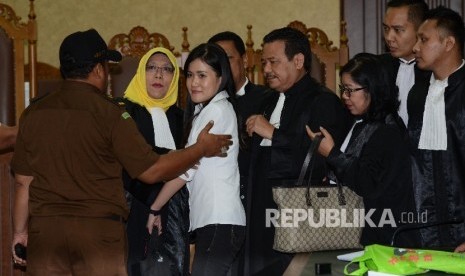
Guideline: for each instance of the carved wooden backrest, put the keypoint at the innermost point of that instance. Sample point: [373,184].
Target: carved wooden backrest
[44,71]
[20,34]
[132,47]
[329,57]
[138,42]
[48,78]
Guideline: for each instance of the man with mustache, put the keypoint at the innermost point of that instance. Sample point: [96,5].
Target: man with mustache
[280,143]
[401,21]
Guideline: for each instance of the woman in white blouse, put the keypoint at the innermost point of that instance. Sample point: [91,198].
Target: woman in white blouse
[216,213]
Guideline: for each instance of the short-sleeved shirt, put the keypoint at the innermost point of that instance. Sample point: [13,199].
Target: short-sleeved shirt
[75,143]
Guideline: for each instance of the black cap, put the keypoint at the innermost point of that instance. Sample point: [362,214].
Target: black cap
[86,47]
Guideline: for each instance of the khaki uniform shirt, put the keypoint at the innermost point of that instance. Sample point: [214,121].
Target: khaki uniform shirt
[75,143]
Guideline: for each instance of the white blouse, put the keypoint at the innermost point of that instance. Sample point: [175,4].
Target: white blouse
[214,185]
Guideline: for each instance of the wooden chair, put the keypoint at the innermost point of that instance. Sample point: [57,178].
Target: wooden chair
[48,78]
[132,47]
[326,57]
[14,35]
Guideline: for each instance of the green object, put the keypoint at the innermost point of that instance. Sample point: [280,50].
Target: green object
[403,261]
[125,115]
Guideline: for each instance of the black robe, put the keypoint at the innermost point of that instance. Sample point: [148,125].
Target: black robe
[393,64]
[248,105]
[379,171]
[438,175]
[307,103]
[175,214]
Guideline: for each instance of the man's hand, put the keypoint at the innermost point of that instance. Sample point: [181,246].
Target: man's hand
[260,125]
[327,143]
[20,238]
[212,144]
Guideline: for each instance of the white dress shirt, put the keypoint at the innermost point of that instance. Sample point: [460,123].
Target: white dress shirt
[275,119]
[241,91]
[214,185]
[349,135]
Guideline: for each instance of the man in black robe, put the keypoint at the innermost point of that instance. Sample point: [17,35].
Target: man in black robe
[280,142]
[400,23]
[437,128]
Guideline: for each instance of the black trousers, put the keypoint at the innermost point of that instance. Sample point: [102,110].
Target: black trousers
[216,247]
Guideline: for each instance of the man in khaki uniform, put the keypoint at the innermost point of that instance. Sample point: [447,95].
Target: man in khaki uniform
[72,145]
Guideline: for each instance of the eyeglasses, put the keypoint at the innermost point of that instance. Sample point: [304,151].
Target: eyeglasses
[163,69]
[348,91]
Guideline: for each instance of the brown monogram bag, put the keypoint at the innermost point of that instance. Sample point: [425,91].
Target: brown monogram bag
[316,218]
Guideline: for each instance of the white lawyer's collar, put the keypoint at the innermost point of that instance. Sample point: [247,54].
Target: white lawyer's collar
[241,91]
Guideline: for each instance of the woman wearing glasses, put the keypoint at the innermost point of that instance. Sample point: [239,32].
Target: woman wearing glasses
[374,159]
[150,99]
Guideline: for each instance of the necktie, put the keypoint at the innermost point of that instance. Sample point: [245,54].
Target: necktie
[405,80]
[275,118]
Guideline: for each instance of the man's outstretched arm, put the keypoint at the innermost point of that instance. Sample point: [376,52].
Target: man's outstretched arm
[170,166]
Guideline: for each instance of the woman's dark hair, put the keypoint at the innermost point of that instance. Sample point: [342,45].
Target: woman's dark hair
[368,71]
[215,57]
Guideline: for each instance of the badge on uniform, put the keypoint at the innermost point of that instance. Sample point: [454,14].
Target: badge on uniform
[125,115]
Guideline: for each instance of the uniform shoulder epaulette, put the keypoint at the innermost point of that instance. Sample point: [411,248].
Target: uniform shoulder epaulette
[116,100]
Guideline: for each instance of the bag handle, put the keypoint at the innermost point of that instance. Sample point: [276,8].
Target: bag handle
[309,162]
[308,158]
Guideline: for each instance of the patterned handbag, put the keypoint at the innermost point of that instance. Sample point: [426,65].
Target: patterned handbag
[315,218]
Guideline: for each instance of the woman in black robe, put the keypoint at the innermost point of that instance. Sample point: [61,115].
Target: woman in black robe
[150,100]
[374,160]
